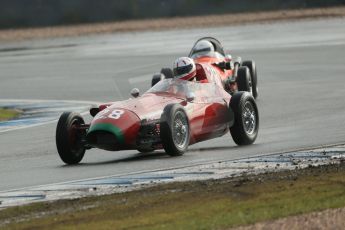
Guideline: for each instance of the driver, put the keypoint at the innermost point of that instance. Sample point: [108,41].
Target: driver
[203,48]
[184,68]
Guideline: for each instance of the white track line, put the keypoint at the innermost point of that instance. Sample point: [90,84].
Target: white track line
[44,101]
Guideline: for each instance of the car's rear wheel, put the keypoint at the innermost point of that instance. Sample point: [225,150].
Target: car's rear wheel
[167,72]
[254,77]
[243,80]
[245,129]
[174,130]
[69,138]
[156,78]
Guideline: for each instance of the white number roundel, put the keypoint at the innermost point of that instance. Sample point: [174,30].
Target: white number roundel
[116,114]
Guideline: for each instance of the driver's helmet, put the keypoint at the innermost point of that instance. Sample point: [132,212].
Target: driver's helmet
[184,68]
[203,48]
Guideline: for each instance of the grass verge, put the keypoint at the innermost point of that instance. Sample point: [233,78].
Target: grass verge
[8,114]
[212,204]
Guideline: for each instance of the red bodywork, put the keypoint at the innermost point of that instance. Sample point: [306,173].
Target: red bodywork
[208,64]
[135,122]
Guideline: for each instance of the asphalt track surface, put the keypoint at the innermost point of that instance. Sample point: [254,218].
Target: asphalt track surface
[301,68]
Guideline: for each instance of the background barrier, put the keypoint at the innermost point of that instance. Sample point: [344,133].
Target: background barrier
[38,13]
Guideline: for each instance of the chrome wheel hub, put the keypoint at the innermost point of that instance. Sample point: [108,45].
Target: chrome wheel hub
[180,130]
[249,118]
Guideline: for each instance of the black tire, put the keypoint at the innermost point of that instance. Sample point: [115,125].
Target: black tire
[173,145]
[253,74]
[156,78]
[243,79]
[167,72]
[246,126]
[68,140]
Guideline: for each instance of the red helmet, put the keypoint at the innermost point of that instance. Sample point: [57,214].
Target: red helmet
[184,68]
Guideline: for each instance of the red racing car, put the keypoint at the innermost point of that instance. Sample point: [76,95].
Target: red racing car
[210,57]
[171,115]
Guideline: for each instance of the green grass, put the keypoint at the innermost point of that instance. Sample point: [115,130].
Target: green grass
[8,114]
[215,204]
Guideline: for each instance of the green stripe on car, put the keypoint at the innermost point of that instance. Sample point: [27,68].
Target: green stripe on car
[109,128]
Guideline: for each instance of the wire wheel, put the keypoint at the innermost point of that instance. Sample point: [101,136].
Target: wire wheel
[174,130]
[245,128]
[249,118]
[180,130]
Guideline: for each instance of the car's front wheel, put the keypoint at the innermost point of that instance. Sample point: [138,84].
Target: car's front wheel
[174,130]
[245,129]
[69,138]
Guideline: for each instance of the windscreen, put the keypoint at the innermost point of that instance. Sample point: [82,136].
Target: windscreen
[201,92]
